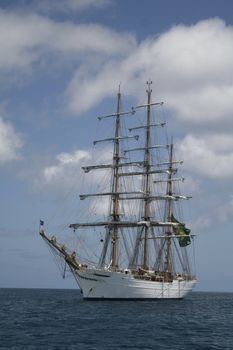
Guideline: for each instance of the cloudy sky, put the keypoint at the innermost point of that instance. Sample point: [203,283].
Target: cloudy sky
[60,66]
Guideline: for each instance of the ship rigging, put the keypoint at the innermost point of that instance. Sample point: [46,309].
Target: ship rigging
[145,248]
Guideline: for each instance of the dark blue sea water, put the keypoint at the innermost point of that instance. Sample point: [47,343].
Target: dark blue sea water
[60,319]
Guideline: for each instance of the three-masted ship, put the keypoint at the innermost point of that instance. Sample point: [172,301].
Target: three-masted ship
[145,248]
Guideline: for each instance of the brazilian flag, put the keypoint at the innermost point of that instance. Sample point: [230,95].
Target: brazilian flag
[183,232]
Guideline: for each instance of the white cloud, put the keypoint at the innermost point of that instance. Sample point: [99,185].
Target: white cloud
[61,6]
[205,104]
[69,5]
[190,185]
[10,142]
[66,174]
[219,211]
[224,211]
[208,156]
[201,223]
[190,66]
[85,90]
[220,142]
[25,38]
[67,171]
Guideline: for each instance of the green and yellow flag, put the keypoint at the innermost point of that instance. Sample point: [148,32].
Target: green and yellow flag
[183,233]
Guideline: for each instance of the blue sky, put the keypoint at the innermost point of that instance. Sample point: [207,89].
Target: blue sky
[60,66]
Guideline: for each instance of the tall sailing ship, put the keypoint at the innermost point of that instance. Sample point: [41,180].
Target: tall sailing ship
[141,248]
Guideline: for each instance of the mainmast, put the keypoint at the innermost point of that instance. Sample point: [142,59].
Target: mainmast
[168,258]
[115,185]
[147,184]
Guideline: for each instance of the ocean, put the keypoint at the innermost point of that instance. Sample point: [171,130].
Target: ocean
[60,319]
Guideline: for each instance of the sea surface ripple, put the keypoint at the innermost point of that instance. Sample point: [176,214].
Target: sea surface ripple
[60,319]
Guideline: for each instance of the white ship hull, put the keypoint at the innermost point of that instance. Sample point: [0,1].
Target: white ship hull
[102,284]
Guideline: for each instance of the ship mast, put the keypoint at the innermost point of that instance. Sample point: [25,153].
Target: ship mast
[147,185]
[168,257]
[115,185]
